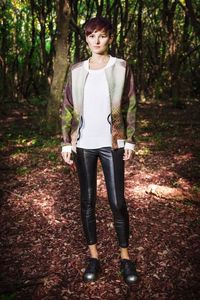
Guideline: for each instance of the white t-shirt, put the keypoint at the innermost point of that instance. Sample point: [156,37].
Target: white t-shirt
[96,127]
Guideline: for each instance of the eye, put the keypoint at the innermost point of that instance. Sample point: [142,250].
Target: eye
[103,36]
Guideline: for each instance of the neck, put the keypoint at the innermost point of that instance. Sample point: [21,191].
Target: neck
[99,58]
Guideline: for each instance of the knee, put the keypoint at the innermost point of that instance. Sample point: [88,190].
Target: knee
[87,204]
[119,208]
[88,194]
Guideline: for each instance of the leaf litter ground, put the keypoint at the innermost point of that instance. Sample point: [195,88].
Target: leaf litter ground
[43,251]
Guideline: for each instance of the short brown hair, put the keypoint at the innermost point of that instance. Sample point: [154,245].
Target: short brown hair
[96,24]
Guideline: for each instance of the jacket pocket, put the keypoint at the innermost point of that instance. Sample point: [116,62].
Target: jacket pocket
[79,129]
[109,120]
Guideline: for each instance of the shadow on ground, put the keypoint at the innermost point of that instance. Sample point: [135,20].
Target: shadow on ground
[43,251]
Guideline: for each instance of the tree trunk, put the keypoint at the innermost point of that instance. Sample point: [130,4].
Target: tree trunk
[42,20]
[194,21]
[113,48]
[4,49]
[61,65]
[173,59]
[140,53]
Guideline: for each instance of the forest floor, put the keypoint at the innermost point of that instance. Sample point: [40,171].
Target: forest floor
[42,250]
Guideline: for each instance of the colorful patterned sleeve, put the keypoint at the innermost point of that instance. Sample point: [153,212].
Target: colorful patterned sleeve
[67,111]
[129,106]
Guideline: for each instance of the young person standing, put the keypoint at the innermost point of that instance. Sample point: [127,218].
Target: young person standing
[98,122]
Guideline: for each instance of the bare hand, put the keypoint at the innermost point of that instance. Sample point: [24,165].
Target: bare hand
[127,154]
[67,158]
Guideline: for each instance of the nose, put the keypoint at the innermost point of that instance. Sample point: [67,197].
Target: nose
[97,40]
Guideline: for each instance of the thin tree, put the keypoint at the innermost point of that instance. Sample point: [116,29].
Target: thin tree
[61,64]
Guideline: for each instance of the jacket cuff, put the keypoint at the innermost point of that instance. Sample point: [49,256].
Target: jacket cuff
[67,148]
[129,146]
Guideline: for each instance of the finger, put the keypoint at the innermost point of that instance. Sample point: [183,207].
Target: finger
[127,154]
[67,157]
[69,160]
[64,155]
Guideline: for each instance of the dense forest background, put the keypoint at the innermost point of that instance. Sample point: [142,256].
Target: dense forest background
[160,39]
[43,252]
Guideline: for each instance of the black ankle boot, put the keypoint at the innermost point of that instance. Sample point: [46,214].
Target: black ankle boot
[128,271]
[92,271]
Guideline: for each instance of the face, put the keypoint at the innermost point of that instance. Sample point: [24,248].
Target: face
[98,41]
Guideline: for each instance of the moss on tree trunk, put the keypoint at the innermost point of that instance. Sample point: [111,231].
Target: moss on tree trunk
[61,65]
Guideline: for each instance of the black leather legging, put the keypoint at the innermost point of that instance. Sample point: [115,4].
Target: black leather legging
[113,168]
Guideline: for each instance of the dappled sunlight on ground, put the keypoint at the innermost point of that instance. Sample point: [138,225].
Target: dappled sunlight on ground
[43,250]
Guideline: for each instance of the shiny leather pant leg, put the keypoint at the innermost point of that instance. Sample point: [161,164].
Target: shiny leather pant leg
[113,168]
[86,163]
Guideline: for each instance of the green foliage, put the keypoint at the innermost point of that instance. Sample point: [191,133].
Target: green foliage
[188,202]
[196,188]
[29,141]
[39,101]
[7,296]
[26,50]
[23,170]
[52,156]
[164,51]
[144,151]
